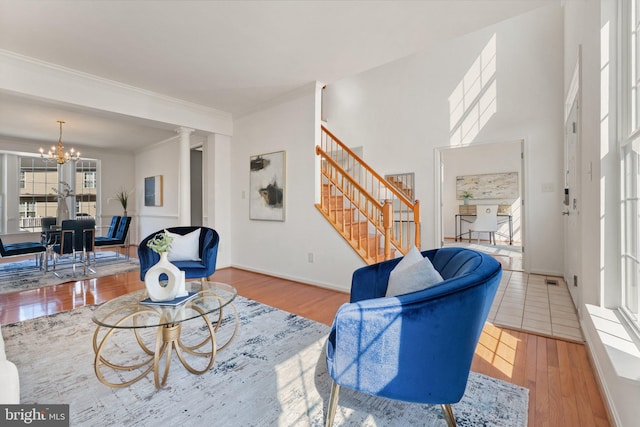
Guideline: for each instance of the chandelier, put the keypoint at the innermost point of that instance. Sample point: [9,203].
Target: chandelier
[57,153]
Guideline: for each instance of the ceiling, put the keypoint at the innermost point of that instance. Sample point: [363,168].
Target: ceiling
[228,55]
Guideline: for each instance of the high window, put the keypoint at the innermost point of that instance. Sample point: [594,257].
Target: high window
[37,196]
[89,179]
[86,179]
[630,162]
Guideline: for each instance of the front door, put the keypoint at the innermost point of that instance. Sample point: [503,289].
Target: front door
[571,213]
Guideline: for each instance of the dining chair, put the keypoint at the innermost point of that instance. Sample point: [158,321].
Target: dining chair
[486,222]
[117,236]
[76,240]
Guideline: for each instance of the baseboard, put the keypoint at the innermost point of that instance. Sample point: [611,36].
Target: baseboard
[604,390]
[304,281]
[547,273]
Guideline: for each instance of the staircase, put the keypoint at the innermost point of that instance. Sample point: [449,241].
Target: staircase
[373,215]
[403,182]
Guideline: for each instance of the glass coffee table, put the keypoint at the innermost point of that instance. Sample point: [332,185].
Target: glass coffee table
[158,331]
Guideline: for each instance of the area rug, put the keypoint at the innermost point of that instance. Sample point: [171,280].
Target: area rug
[24,275]
[272,373]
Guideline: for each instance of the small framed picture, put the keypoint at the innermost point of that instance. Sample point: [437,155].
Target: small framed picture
[153,190]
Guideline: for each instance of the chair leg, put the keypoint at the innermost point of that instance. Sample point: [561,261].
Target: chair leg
[333,404]
[448,415]
[87,262]
[74,263]
[55,261]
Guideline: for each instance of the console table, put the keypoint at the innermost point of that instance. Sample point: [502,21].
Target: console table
[469,218]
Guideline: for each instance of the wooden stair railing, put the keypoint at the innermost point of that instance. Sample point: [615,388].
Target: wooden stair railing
[373,216]
[403,182]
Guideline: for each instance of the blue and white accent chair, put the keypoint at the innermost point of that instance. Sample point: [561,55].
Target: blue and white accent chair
[196,257]
[417,346]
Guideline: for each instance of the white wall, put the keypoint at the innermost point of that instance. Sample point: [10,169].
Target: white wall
[116,174]
[591,27]
[495,158]
[282,248]
[160,159]
[400,112]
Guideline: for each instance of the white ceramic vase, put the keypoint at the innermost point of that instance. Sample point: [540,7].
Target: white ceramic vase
[167,290]
[62,212]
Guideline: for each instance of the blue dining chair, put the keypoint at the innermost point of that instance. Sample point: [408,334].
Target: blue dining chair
[117,236]
[76,240]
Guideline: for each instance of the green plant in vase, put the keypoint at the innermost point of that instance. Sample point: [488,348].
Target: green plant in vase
[161,243]
[164,281]
[122,197]
[466,196]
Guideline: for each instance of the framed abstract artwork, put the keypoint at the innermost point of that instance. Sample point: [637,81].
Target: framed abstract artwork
[488,186]
[153,190]
[267,186]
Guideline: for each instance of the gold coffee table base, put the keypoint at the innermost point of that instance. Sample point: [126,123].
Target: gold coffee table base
[167,340]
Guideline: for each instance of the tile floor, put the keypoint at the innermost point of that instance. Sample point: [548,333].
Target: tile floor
[526,302]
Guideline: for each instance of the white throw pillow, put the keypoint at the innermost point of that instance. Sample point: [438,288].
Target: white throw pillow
[413,273]
[184,248]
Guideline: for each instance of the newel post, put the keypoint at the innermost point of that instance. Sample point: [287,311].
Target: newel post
[387,222]
[416,221]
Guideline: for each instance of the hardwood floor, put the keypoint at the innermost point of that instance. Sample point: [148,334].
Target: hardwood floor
[563,390]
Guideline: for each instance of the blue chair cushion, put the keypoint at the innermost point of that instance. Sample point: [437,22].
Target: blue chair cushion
[105,241]
[208,250]
[182,265]
[23,248]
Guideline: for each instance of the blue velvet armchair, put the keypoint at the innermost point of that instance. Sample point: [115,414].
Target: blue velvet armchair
[208,251]
[417,347]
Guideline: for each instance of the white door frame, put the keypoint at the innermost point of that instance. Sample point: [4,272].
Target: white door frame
[439,182]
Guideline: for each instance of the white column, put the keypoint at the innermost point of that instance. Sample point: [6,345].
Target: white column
[217,202]
[184,177]
[67,173]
